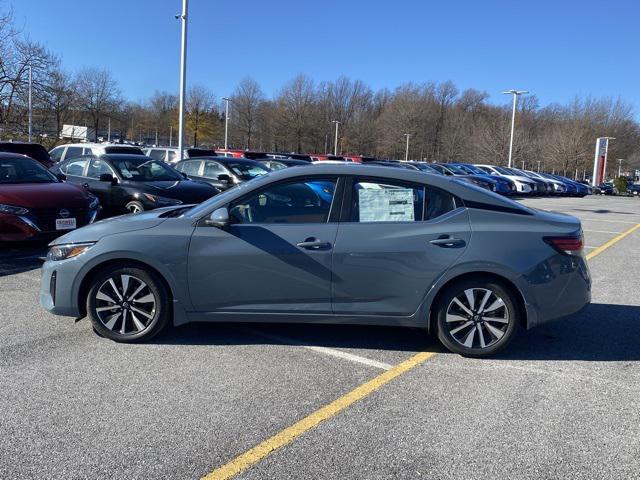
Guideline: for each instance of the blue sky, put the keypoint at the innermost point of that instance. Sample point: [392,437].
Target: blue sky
[556,49]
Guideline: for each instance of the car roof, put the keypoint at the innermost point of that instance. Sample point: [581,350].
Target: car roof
[12,155]
[121,156]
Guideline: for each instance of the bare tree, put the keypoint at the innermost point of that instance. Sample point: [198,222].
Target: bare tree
[97,93]
[247,100]
[201,113]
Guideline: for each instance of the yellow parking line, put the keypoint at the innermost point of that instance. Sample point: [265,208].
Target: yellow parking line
[611,242]
[289,434]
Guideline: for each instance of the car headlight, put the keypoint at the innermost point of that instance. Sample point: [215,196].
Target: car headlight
[161,200]
[69,250]
[11,210]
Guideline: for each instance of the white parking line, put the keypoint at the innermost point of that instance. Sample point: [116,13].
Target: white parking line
[600,231]
[325,350]
[602,220]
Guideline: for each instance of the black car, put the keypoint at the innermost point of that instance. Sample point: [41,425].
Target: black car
[633,189]
[280,163]
[31,150]
[133,183]
[221,172]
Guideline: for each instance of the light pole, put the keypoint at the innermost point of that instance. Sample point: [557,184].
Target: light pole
[406,152]
[170,135]
[515,94]
[30,103]
[335,147]
[538,166]
[226,122]
[183,76]
[620,167]
[109,131]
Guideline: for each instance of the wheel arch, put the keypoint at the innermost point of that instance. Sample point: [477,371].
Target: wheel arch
[491,276]
[85,285]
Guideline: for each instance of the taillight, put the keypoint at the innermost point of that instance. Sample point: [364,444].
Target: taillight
[569,245]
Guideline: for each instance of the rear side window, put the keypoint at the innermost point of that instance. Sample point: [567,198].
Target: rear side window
[438,203]
[74,167]
[386,202]
[73,152]
[97,168]
[172,156]
[157,154]
[213,169]
[190,168]
[56,154]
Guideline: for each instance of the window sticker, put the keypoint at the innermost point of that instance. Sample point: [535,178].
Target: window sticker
[126,173]
[386,205]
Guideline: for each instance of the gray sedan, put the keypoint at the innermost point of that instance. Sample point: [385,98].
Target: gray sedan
[340,244]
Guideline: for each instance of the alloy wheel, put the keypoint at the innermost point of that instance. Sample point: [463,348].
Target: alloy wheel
[477,318]
[125,304]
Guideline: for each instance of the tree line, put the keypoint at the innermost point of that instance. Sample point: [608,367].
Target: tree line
[444,123]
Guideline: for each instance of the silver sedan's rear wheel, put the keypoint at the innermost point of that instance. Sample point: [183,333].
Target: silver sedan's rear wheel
[477,318]
[127,304]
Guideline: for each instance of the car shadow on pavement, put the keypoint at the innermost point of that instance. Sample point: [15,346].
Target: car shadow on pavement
[600,333]
[332,336]
[19,258]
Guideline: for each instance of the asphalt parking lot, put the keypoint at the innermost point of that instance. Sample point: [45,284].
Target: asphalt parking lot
[561,402]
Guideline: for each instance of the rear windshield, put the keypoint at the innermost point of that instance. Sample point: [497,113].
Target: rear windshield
[129,150]
[200,152]
[32,150]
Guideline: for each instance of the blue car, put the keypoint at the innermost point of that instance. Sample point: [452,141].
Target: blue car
[503,185]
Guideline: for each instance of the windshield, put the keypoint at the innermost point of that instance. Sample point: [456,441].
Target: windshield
[24,170]
[427,168]
[144,170]
[456,169]
[503,171]
[472,169]
[247,170]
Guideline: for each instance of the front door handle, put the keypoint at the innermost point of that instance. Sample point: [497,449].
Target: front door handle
[448,242]
[314,244]
[85,185]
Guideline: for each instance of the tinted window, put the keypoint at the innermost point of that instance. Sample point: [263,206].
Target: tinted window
[87,151]
[157,154]
[56,153]
[23,170]
[190,167]
[198,152]
[74,167]
[386,202]
[128,150]
[295,202]
[73,152]
[172,156]
[213,169]
[97,168]
[438,203]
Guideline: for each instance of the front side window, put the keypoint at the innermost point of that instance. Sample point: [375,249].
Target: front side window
[97,168]
[156,154]
[386,202]
[74,167]
[295,202]
[213,169]
[56,154]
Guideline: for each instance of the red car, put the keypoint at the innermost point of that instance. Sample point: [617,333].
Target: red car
[34,203]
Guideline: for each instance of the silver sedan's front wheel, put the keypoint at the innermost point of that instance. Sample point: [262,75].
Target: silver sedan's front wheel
[477,318]
[127,304]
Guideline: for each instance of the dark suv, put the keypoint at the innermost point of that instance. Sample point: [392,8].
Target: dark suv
[31,150]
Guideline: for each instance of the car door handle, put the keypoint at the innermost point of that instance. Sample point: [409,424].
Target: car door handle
[314,244]
[85,185]
[448,242]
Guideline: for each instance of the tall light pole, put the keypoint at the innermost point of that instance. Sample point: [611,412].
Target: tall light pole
[183,76]
[515,94]
[170,135]
[226,122]
[30,103]
[406,152]
[335,147]
[109,131]
[620,167]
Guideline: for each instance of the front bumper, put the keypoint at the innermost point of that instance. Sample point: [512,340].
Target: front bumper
[57,287]
[19,228]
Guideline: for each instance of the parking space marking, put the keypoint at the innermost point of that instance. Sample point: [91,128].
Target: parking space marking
[251,457]
[325,350]
[583,219]
[611,242]
[599,231]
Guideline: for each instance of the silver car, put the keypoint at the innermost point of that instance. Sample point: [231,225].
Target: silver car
[350,244]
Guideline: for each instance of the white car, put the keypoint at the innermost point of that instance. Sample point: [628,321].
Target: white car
[71,150]
[523,184]
[170,154]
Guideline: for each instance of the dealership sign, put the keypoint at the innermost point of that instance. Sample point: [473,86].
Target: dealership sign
[600,160]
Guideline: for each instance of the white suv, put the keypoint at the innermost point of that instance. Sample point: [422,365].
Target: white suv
[71,150]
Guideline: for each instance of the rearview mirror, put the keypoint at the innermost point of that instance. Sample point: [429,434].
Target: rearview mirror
[219,218]
[107,177]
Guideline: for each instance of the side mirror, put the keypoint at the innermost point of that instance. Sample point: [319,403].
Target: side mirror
[224,178]
[107,177]
[184,175]
[219,218]
[61,176]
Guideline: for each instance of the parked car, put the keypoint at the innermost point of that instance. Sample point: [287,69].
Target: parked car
[171,154]
[503,185]
[524,185]
[222,172]
[607,188]
[545,185]
[633,189]
[133,183]
[574,188]
[72,150]
[398,251]
[279,164]
[35,204]
[31,150]
[556,186]
[452,170]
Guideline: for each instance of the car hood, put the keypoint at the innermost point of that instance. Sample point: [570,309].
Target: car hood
[44,195]
[114,225]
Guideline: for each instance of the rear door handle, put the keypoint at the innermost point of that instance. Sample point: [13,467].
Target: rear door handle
[448,242]
[314,244]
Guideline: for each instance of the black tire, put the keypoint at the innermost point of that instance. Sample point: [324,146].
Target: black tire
[134,206]
[145,312]
[454,333]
